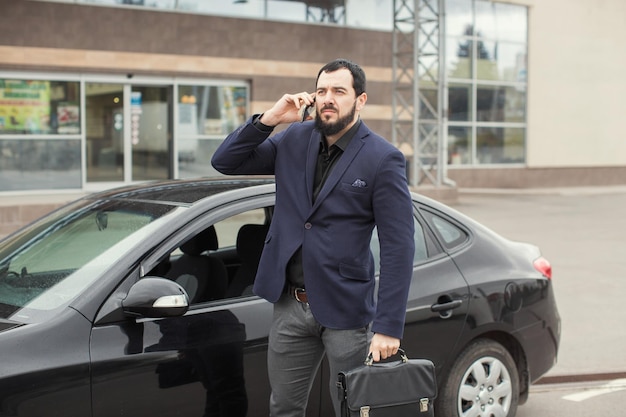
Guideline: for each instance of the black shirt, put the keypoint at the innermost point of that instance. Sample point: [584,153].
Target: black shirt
[326,160]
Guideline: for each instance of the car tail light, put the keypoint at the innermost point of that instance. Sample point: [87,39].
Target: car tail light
[542,265]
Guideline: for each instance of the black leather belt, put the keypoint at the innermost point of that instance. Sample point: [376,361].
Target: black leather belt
[298,293]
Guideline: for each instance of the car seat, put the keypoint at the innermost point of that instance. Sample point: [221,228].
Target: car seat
[201,274]
[250,242]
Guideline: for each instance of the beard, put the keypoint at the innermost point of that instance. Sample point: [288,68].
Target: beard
[330,128]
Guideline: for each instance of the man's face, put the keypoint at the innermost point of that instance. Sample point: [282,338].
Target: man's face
[336,102]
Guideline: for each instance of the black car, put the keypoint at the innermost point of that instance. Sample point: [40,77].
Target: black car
[138,301]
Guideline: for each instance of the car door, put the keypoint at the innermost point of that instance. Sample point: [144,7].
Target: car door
[190,365]
[438,297]
[210,361]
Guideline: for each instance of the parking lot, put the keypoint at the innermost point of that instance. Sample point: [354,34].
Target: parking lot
[581,231]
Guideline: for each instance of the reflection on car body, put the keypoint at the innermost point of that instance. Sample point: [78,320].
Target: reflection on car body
[138,301]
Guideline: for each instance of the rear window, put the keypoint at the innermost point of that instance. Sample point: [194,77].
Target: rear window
[449,234]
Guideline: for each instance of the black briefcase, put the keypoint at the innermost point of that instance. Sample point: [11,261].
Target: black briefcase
[406,387]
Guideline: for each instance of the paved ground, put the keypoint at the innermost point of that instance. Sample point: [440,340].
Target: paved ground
[582,232]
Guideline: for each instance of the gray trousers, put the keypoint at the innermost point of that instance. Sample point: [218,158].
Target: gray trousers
[297,344]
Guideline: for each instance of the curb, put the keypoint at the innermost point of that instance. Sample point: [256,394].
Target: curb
[564,379]
[562,191]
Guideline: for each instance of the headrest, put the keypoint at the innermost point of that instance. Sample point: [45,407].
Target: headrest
[203,241]
[250,241]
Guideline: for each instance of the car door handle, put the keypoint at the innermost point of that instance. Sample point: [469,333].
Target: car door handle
[449,305]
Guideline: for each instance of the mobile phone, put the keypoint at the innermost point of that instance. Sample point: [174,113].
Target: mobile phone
[308,111]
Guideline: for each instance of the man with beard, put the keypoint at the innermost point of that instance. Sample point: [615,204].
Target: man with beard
[335,181]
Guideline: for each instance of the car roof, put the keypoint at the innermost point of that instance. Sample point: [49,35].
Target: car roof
[180,192]
[188,192]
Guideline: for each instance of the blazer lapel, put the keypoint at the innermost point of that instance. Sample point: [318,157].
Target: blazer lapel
[311,161]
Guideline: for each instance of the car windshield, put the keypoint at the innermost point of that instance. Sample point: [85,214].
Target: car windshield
[46,265]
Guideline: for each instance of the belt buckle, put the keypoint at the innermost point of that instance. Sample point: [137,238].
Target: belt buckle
[296,294]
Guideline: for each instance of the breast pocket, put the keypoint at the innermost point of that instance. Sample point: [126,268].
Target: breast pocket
[355,187]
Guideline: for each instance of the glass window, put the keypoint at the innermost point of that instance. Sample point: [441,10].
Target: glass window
[367,14]
[459,102]
[47,265]
[218,261]
[500,104]
[459,57]
[502,61]
[39,164]
[104,131]
[39,107]
[496,145]
[501,21]
[486,64]
[228,228]
[421,253]
[151,132]
[449,234]
[206,114]
[459,17]
[211,110]
[460,29]
[459,145]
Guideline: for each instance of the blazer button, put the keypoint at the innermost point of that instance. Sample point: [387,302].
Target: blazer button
[307,225]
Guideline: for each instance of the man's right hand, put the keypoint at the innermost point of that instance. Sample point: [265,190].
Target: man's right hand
[286,110]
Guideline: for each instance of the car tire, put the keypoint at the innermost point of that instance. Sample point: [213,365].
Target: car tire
[482,382]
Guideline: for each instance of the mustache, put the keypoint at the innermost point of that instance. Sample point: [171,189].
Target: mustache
[328,107]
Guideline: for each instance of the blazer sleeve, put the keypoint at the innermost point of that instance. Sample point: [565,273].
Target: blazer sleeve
[393,212]
[246,151]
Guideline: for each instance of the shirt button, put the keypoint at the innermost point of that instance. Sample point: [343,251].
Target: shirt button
[307,225]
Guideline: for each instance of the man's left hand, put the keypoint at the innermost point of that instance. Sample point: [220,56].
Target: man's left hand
[382,346]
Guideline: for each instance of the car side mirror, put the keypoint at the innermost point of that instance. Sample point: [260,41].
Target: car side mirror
[155,297]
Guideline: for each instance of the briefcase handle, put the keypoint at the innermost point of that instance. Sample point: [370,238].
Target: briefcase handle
[369,361]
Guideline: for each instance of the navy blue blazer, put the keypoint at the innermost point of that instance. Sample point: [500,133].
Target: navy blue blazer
[367,187]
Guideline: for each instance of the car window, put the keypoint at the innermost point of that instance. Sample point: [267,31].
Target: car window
[421,252]
[228,228]
[218,261]
[449,234]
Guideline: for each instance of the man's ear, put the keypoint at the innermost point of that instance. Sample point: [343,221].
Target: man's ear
[360,101]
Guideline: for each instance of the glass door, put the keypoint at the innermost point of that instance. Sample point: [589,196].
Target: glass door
[128,132]
[104,109]
[151,132]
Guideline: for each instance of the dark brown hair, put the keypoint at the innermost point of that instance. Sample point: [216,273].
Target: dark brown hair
[358,75]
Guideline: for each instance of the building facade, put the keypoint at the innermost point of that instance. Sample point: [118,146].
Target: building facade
[94,95]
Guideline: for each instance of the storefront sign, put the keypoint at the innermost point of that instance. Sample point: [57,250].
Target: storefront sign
[24,106]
